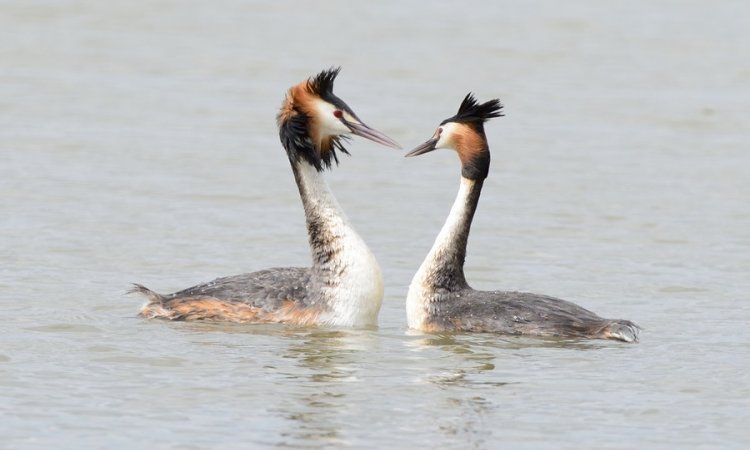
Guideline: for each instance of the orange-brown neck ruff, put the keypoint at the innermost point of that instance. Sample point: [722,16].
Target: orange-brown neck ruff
[303,101]
[473,151]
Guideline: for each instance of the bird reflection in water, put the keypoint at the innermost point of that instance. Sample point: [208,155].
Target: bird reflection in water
[328,363]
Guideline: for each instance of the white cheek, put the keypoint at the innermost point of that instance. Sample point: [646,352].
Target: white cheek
[330,125]
[442,141]
[445,140]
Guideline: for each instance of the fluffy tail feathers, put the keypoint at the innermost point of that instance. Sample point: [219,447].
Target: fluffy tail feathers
[155,307]
[152,296]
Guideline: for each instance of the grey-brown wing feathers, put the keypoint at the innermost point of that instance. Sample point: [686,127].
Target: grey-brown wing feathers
[266,289]
[526,313]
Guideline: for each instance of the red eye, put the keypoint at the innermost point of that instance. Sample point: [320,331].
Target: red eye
[440,130]
[338,114]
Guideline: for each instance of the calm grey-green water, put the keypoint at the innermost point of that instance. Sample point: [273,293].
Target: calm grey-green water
[138,144]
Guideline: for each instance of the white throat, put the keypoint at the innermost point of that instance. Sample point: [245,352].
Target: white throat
[421,289]
[355,291]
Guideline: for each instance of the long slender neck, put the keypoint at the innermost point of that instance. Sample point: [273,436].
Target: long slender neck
[323,214]
[346,274]
[444,265]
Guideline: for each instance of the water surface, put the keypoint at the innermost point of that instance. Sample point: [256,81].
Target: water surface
[139,145]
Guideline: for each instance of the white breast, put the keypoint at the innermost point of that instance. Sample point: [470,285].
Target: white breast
[356,293]
[421,289]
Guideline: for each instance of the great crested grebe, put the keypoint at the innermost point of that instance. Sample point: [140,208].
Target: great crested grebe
[439,297]
[344,286]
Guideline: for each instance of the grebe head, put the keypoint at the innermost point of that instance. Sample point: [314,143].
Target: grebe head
[313,122]
[464,133]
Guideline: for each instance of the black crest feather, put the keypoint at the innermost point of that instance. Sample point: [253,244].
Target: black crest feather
[471,111]
[322,83]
